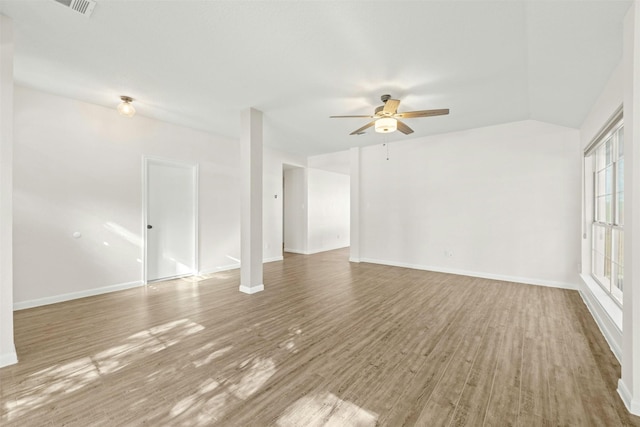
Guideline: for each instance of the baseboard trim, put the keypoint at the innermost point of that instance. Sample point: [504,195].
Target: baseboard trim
[75,295]
[633,405]
[296,251]
[23,305]
[235,266]
[491,276]
[314,251]
[319,250]
[354,259]
[251,289]
[219,269]
[10,358]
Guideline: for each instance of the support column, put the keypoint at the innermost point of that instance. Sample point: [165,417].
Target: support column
[251,202]
[354,249]
[629,384]
[7,348]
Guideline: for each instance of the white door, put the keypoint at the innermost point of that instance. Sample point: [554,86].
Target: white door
[171,227]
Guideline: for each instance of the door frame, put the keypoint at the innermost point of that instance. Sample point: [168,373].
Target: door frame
[145,210]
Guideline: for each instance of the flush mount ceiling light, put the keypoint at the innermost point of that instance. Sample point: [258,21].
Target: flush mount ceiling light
[125,108]
[386,125]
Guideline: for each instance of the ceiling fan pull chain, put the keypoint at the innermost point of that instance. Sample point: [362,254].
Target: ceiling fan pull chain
[385,144]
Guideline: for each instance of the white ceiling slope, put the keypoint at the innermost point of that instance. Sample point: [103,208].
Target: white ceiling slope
[199,63]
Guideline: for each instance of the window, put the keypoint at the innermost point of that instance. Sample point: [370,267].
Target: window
[607,255]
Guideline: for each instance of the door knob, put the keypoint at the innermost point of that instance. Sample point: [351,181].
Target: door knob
[149,227]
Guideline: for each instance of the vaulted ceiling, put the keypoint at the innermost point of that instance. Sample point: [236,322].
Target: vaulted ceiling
[199,63]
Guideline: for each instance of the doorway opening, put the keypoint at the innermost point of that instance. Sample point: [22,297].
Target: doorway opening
[294,225]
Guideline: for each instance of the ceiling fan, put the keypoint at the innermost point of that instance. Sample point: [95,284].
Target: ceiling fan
[386,117]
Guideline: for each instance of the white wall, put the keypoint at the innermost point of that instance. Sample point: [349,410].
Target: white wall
[7,349]
[501,201]
[608,102]
[78,167]
[328,210]
[338,162]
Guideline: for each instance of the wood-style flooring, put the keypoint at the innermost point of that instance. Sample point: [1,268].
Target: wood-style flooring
[327,343]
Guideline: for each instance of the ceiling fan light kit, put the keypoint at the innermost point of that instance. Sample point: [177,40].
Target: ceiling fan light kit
[386,125]
[386,117]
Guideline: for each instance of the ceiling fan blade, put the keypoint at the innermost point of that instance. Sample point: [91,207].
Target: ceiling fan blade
[402,127]
[390,107]
[348,117]
[422,113]
[362,129]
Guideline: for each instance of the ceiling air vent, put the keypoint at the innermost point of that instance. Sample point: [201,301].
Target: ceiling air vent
[84,7]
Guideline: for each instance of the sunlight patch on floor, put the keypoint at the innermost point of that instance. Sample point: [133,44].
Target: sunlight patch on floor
[211,356]
[289,344]
[213,398]
[75,375]
[258,374]
[326,409]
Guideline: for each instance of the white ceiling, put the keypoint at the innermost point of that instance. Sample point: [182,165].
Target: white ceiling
[199,63]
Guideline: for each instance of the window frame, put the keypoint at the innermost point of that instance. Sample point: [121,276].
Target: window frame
[614,133]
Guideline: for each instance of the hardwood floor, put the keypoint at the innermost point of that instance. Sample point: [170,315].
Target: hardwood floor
[327,343]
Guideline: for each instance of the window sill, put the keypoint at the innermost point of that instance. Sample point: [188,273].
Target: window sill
[612,309]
